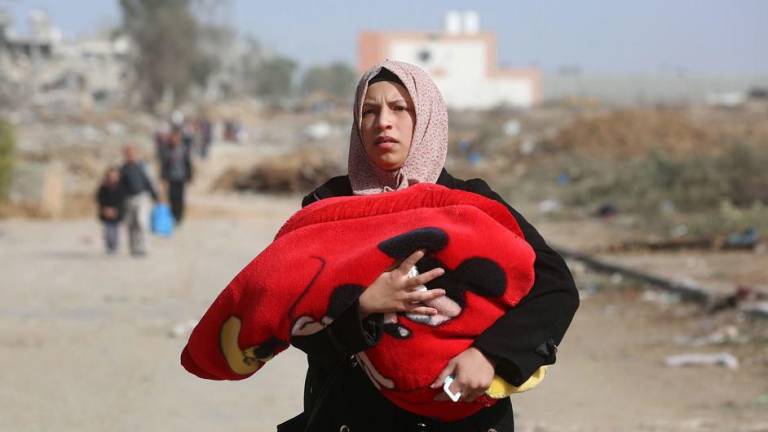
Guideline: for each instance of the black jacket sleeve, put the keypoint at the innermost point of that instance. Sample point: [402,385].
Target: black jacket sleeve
[348,333]
[526,337]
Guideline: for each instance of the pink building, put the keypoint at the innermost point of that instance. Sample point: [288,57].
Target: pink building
[461,60]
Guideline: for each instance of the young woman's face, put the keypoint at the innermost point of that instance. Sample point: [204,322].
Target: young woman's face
[388,117]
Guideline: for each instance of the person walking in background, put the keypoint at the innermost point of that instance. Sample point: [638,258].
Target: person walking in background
[176,170]
[110,199]
[205,132]
[138,189]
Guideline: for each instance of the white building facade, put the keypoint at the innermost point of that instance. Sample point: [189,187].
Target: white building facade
[461,60]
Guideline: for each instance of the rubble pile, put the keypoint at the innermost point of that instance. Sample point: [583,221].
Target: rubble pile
[633,133]
[298,171]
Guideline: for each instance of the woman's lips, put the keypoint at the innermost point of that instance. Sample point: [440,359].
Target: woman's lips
[385,142]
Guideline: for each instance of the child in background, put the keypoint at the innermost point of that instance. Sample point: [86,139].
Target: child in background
[110,198]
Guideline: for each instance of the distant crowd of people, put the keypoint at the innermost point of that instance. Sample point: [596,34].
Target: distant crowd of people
[127,193]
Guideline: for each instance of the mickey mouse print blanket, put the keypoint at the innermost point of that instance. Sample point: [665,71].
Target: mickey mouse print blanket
[328,252]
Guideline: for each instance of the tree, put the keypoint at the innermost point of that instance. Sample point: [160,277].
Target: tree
[168,58]
[336,79]
[273,78]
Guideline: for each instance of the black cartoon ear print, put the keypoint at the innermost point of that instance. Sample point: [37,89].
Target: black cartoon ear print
[400,247]
[481,276]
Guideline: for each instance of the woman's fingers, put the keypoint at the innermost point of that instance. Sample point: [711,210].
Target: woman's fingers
[448,370]
[424,296]
[423,278]
[423,310]
[411,261]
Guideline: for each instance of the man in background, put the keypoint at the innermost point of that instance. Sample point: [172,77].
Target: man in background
[139,193]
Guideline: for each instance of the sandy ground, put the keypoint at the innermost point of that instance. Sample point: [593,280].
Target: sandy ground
[86,341]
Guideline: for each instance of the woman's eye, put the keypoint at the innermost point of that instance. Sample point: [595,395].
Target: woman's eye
[400,108]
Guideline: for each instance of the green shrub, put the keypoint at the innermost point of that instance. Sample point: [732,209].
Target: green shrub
[7,144]
[691,184]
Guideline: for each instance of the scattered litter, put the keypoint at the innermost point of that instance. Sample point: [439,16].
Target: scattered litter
[563,179]
[587,291]
[116,129]
[512,128]
[746,239]
[660,297]
[724,335]
[464,146]
[528,146]
[182,329]
[475,158]
[725,359]
[549,206]
[680,230]
[606,210]
[617,279]
[740,295]
[667,207]
[577,267]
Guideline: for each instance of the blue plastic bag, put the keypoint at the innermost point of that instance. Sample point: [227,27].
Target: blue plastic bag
[162,220]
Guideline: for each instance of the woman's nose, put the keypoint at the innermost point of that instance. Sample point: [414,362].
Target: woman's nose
[384,120]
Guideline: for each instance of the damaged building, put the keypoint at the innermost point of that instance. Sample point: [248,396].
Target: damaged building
[44,68]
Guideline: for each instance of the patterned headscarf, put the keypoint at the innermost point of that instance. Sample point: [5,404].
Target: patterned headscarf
[429,144]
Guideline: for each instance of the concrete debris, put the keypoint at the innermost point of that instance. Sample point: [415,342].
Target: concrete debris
[550,206]
[756,309]
[182,330]
[724,359]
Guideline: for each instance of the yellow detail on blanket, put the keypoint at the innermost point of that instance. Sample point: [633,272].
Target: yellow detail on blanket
[500,389]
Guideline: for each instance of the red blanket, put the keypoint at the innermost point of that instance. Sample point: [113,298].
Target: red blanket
[327,253]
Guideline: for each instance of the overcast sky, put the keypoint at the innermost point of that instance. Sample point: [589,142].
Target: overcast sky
[648,36]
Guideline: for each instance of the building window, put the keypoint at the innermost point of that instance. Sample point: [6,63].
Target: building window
[424,56]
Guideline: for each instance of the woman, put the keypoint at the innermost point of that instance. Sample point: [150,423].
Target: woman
[399,138]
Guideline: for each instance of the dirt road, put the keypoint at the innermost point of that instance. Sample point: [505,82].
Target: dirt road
[86,342]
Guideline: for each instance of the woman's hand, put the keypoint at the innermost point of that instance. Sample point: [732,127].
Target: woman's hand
[472,375]
[393,291]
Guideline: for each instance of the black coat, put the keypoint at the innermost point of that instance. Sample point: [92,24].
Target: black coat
[114,197]
[338,393]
